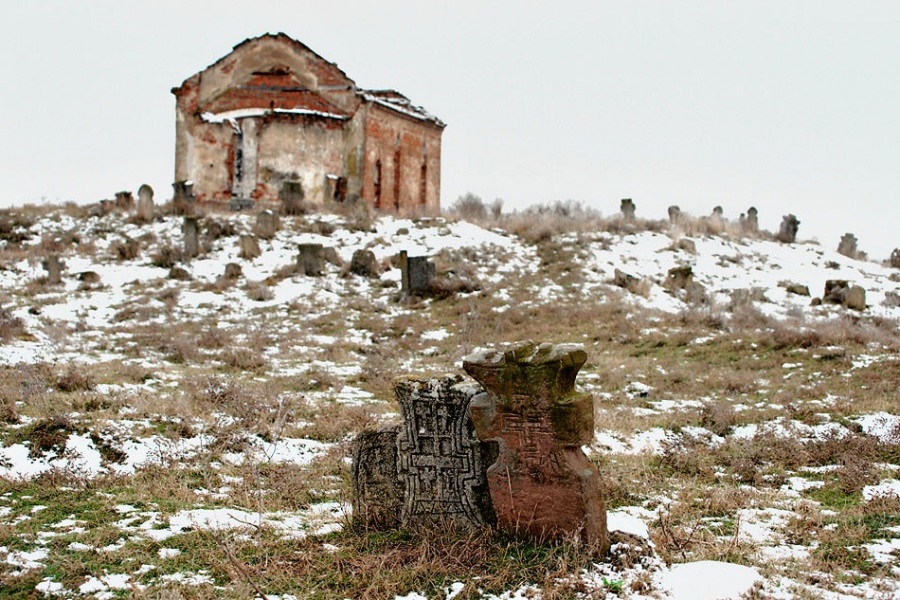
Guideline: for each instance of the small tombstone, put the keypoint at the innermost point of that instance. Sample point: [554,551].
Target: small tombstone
[797,289]
[232,271]
[895,258]
[54,266]
[626,280]
[124,200]
[542,485]
[679,278]
[364,263]
[183,200]
[179,274]
[847,246]
[266,224]
[309,260]
[686,245]
[840,291]
[674,214]
[145,204]
[191,231]
[377,488]
[416,273]
[787,233]
[291,196]
[856,298]
[89,280]
[627,207]
[751,223]
[718,212]
[249,247]
[429,470]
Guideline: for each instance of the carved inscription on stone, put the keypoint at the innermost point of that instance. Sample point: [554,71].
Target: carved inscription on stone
[432,465]
[439,457]
[542,485]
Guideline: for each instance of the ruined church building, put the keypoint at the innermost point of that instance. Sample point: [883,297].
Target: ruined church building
[274,120]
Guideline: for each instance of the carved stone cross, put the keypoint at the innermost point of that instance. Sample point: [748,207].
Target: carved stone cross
[542,485]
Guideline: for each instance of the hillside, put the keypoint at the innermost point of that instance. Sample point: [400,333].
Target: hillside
[172,431]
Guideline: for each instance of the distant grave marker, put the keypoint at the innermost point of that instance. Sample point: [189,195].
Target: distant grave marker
[191,232]
[145,204]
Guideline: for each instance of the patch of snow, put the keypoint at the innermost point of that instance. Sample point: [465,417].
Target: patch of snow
[708,580]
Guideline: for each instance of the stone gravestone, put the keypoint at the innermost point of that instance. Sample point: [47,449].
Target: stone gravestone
[439,457]
[183,200]
[674,214]
[249,247]
[542,486]
[428,471]
[364,263]
[377,488]
[847,246]
[191,231]
[751,223]
[895,258]
[787,234]
[54,266]
[309,260]
[840,291]
[124,200]
[627,207]
[145,204]
[291,195]
[416,273]
[266,224]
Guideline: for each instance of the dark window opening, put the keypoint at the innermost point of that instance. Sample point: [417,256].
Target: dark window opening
[378,183]
[397,180]
[423,184]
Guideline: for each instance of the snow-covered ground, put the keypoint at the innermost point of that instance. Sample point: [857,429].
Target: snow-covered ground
[74,324]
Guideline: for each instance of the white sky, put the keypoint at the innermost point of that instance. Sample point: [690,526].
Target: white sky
[791,106]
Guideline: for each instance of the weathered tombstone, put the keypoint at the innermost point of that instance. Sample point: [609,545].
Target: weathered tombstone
[232,271]
[179,274]
[183,200]
[797,288]
[895,258]
[787,233]
[627,207]
[626,280]
[439,457]
[266,224]
[856,298]
[679,278]
[674,214]
[847,246]
[249,247]
[89,279]
[124,200]
[428,471]
[145,204]
[751,223]
[309,260]
[717,220]
[191,231]
[364,263]
[54,266]
[542,486]
[840,291]
[416,273]
[291,196]
[377,488]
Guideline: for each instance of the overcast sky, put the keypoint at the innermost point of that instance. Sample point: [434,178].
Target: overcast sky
[789,106]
